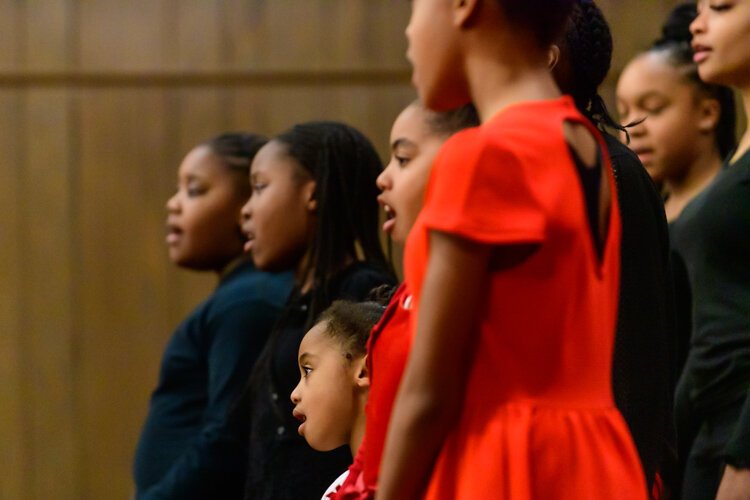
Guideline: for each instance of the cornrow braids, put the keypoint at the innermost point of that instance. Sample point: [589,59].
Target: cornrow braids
[585,60]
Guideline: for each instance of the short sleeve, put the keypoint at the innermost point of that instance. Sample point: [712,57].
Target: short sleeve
[480,189]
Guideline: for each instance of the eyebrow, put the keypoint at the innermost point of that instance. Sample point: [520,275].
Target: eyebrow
[652,94]
[305,356]
[402,142]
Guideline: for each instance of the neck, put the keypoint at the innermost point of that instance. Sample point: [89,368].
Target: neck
[358,429]
[698,176]
[494,86]
[232,265]
[744,144]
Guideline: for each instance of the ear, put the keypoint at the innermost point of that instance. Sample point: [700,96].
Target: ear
[710,112]
[308,192]
[553,56]
[362,376]
[464,11]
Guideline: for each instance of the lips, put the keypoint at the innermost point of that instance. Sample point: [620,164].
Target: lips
[700,53]
[390,216]
[250,237]
[301,417]
[174,233]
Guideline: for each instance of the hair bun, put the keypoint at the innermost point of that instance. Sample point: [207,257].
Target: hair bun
[676,28]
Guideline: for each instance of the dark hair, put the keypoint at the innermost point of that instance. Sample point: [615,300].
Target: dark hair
[675,44]
[349,324]
[544,19]
[344,166]
[447,123]
[585,60]
[237,150]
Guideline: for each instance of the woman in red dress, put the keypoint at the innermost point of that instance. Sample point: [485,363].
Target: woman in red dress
[514,265]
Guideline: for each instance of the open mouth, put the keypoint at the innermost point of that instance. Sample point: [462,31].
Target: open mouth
[302,418]
[249,238]
[700,53]
[390,219]
[174,233]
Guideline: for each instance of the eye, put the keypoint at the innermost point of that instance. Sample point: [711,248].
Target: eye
[722,7]
[194,191]
[655,110]
[402,160]
[258,187]
[306,370]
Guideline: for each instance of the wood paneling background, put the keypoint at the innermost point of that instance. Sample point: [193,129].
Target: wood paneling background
[98,103]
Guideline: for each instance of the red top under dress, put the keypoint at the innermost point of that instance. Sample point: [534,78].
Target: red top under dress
[538,419]
[387,352]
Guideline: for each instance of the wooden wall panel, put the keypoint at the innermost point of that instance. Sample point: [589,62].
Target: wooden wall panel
[99,102]
[13,406]
[49,378]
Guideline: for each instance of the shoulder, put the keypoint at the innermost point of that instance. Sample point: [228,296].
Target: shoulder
[249,290]
[357,280]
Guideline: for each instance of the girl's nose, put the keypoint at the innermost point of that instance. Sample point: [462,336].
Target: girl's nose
[173,204]
[295,395]
[383,181]
[245,212]
[698,25]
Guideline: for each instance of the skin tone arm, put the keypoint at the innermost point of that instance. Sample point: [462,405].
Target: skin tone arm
[430,395]
[735,484]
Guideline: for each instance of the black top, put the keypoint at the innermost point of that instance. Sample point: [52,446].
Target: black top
[713,237]
[281,464]
[644,365]
[186,449]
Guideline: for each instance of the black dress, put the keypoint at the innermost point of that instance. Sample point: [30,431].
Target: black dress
[645,364]
[712,235]
[281,464]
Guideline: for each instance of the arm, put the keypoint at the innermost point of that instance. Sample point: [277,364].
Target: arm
[430,395]
[214,461]
[735,483]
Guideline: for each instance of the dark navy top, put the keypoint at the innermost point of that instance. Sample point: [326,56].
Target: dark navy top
[186,449]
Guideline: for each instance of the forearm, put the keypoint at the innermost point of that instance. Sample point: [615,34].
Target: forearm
[429,400]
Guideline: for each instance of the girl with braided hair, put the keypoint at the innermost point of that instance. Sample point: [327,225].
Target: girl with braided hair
[684,127]
[644,365]
[313,211]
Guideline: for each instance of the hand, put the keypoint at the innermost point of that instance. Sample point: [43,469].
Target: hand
[735,484]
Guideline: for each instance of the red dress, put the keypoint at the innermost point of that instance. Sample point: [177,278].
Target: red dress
[387,352]
[538,420]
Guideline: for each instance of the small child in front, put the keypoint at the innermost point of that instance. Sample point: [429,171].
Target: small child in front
[331,395]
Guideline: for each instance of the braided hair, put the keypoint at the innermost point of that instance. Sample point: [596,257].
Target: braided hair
[236,151]
[675,44]
[585,60]
[344,165]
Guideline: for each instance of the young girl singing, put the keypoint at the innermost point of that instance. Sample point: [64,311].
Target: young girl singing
[330,398]
[313,211]
[514,264]
[684,127]
[187,448]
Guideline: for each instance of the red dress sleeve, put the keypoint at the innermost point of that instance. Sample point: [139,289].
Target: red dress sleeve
[481,189]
